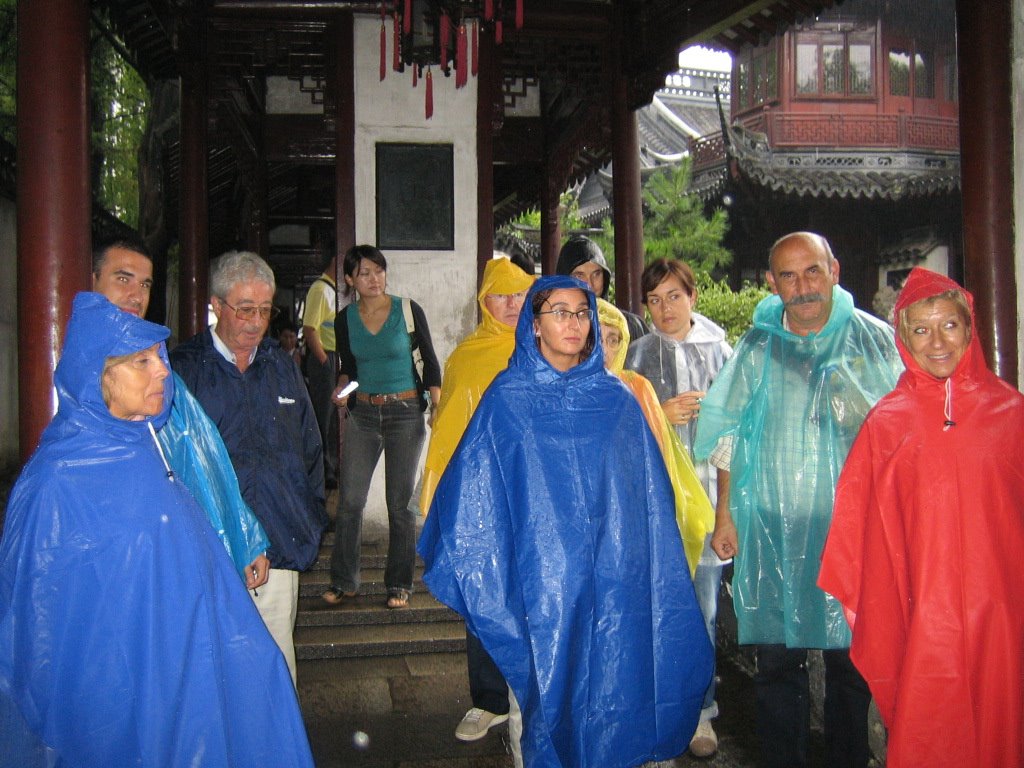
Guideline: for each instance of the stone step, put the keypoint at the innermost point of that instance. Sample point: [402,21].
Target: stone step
[370,609]
[363,641]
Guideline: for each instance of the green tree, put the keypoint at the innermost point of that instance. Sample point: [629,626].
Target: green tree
[675,225]
[732,310]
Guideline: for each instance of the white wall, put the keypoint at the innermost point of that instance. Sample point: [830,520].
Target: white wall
[442,282]
[8,336]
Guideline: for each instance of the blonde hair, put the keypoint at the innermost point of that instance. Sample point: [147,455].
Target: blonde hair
[957,297]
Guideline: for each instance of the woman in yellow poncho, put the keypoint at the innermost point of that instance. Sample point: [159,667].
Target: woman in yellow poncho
[469,371]
[473,364]
[694,513]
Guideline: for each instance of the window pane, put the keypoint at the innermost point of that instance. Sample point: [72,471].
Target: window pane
[757,75]
[742,92]
[772,66]
[899,73]
[833,57]
[807,68]
[924,76]
[951,79]
[861,79]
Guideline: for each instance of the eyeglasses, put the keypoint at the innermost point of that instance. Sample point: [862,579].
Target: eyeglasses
[250,312]
[613,342]
[564,315]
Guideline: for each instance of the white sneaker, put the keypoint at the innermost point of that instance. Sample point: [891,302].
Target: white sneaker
[476,723]
[705,741]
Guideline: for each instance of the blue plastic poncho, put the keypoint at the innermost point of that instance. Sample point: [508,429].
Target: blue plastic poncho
[125,636]
[792,406]
[553,533]
[197,454]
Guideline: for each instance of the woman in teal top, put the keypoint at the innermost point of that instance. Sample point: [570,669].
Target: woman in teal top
[375,347]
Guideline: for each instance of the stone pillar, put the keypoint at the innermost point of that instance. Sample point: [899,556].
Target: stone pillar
[193,269]
[54,199]
[550,225]
[986,151]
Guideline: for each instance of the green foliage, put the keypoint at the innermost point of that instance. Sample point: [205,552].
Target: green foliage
[675,225]
[119,105]
[733,310]
[8,69]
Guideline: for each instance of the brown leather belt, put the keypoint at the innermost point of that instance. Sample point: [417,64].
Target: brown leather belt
[391,397]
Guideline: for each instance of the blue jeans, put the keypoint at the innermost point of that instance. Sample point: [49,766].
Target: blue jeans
[706,582]
[784,710]
[397,430]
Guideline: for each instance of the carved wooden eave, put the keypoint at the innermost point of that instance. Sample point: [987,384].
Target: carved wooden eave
[870,173]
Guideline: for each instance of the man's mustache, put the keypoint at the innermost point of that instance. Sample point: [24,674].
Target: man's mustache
[806,298]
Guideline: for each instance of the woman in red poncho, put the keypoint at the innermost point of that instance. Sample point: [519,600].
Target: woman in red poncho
[926,540]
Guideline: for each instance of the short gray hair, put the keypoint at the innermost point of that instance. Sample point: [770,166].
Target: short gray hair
[235,267]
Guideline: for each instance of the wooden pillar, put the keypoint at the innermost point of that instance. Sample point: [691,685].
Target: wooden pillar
[345,138]
[628,211]
[986,156]
[550,224]
[488,94]
[53,190]
[193,272]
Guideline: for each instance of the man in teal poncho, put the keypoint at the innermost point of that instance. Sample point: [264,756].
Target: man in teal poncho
[781,418]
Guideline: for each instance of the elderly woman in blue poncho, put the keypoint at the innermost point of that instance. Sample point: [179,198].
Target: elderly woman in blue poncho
[126,637]
[553,533]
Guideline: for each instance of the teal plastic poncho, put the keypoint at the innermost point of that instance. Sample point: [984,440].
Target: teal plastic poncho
[553,533]
[792,406]
[196,453]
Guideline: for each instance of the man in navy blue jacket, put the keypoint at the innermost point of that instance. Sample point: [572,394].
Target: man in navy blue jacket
[255,395]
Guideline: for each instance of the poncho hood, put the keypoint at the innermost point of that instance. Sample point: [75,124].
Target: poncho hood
[527,356]
[501,277]
[923,284]
[610,315]
[579,250]
[98,330]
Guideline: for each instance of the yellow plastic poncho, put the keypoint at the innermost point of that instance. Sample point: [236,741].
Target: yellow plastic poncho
[470,369]
[694,513]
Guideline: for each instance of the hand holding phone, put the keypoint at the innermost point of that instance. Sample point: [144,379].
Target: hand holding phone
[341,393]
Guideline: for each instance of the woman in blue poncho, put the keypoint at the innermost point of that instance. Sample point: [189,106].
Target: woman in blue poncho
[553,533]
[126,637]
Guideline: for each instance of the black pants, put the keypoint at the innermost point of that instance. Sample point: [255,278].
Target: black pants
[322,380]
[784,712]
[487,686]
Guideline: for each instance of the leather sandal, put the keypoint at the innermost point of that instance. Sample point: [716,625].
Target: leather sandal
[336,596]
[398,598]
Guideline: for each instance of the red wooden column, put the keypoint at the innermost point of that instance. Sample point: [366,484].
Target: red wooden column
[628,212]
[550,224]
[345,138]
[488,94]
[986,157]
[53,189]
[195,236]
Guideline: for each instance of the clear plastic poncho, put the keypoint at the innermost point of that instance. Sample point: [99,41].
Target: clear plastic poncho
[792,406]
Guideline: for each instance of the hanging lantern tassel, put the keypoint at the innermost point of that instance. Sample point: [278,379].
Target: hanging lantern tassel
[396,56]
[429,107]
[476,48]
[383,48]
[415,75]
[519,14]
[460,58]
[488,10]
[445,36]
[407,17]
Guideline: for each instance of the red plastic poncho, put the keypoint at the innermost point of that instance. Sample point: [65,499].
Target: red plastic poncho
[923,554]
